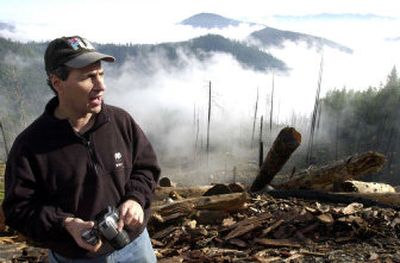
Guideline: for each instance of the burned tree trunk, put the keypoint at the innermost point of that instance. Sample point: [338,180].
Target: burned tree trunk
[385,200]
[4,139]
[2,220]
[284,145]
[163,193]
[184,207]
[323,178]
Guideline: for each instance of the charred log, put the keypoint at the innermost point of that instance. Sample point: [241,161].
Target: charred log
[323,178]
[284,145]
[378,200]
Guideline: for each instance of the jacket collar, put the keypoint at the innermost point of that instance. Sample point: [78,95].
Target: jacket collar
[101,118]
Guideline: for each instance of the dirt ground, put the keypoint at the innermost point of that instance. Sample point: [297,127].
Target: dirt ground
[267,230]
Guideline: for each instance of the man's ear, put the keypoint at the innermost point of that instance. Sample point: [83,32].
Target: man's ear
[56,82]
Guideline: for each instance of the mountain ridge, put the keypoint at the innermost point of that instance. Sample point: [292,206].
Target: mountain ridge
[211,20]
[333,16]
[268,36]
[274,37]
[202,48]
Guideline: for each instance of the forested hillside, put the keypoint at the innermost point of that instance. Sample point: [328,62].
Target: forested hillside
[274,37]
[358,121]
[200,48]
[23,89]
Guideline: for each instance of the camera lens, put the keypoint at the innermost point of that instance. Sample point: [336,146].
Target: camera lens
[121,240]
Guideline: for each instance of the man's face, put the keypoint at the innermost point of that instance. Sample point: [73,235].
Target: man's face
[82,92]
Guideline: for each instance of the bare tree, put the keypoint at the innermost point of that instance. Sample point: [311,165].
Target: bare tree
[314,119]
[208,120]
[4,139]
[271,113]
[261,144]
[254,120]
[19,97]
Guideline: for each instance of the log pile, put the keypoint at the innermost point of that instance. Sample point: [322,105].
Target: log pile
[282,230]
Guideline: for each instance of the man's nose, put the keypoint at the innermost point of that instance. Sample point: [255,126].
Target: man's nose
[99,83]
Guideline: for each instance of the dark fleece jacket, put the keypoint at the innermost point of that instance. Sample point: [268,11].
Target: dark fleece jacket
[53,172]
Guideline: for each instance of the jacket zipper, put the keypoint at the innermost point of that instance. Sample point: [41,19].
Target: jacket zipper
[93,163]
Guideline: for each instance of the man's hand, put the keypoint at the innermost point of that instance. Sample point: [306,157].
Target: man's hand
[130,214]
[76,226]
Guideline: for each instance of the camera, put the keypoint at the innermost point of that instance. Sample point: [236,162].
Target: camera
[105,227]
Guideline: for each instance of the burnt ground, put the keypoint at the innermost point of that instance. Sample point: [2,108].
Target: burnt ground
[267,230]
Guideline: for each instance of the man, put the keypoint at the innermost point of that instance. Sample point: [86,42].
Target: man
[78,158]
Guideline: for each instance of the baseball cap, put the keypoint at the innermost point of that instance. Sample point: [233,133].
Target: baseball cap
[74,52]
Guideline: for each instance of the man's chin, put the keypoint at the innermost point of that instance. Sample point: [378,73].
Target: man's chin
[96,109]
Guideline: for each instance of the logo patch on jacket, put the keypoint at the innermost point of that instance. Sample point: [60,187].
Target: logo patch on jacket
[118,159]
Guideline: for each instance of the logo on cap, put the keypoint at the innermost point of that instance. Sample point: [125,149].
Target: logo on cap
[76,43]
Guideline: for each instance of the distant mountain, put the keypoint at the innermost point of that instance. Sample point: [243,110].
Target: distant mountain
[267,37]
[7,26]
[6,29]
[274,37]
[250,57]
[209,20]
[330,16]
